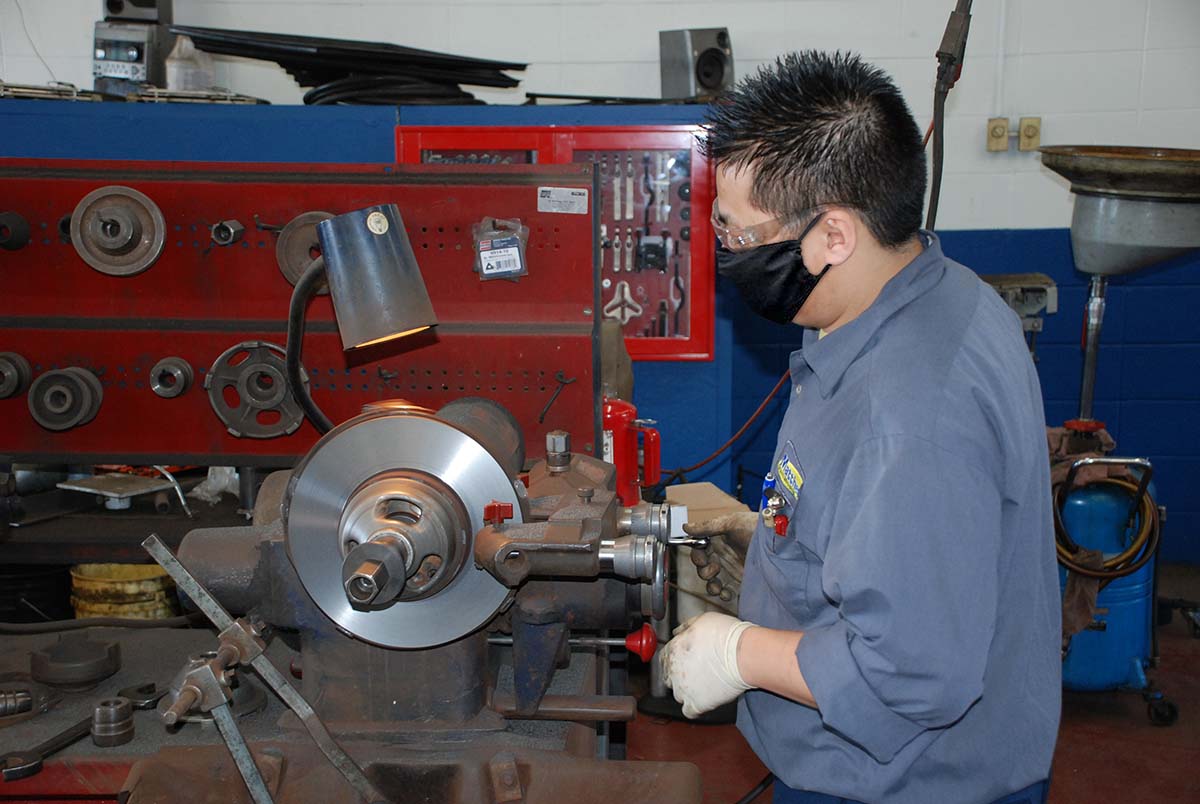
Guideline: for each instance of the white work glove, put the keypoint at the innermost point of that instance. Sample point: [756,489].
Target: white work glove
[736,528]
[700,663]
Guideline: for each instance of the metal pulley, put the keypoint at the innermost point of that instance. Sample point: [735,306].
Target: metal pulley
[14,231]
[118,230]
[15,374]
[380,519]
[171,377]
[253,372]
[65,398]
[298,246]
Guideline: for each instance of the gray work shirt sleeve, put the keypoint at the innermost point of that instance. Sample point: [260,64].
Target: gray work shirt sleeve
[912,572]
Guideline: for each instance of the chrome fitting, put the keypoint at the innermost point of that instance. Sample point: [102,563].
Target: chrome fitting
[558,450]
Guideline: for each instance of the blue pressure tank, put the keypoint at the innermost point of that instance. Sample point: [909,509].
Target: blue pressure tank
[1115,652]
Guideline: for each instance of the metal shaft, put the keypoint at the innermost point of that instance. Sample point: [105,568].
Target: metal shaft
[188,697]
[15,702]
[616,642]
[586,708]
[1091,349]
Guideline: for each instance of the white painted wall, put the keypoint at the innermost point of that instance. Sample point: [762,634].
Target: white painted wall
[1096,71]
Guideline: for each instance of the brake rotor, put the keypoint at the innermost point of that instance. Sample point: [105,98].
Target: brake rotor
[118,230]
[255,373]
[346,460]
[298,246]
[65,398]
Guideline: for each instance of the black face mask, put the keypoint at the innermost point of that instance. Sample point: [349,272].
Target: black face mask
[772,278]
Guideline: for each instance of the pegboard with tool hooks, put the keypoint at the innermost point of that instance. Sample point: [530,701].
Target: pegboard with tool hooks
[505,340]
[654,204]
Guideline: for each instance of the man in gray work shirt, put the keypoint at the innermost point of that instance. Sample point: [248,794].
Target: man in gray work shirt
[900,631]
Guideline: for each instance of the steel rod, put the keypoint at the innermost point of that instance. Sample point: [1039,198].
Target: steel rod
[184,580]
[316,729]
[616,642]
[241,755]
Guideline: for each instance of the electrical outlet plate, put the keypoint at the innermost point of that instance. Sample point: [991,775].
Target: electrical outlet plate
[1029,134]
[997,134]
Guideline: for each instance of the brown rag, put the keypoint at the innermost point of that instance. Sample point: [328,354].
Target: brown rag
[1058,441]
[1079,598]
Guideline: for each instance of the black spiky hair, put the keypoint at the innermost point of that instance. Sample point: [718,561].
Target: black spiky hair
[824,128]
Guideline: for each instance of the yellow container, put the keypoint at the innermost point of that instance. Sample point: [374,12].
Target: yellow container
[137,591]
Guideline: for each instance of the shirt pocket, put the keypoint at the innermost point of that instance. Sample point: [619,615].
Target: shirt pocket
[796,567]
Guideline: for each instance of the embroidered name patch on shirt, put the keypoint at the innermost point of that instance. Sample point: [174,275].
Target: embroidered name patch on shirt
[789,476]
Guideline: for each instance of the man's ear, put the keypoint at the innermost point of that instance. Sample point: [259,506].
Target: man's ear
[838,231]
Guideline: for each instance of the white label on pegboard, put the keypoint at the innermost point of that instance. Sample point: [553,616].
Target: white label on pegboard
[608,446]
[500,257]
[564,200]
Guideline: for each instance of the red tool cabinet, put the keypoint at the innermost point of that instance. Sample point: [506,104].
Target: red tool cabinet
[655,197]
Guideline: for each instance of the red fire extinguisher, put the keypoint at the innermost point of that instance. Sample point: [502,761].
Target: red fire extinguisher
[621,430]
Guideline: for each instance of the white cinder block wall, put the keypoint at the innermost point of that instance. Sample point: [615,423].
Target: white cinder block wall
[1096,71]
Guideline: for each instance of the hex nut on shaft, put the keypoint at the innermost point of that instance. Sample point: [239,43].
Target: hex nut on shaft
[226,233]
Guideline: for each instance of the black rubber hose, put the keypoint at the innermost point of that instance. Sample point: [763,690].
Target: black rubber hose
[98,622]
[757,790]
[388,90]
[306,288]
[676,474]
[939,145]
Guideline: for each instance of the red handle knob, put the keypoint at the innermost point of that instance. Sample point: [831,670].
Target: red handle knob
[642,643]
[1084,425]
[495,512]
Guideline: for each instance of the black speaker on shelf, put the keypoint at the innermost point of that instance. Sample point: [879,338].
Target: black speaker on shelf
[159,11]
[695,62]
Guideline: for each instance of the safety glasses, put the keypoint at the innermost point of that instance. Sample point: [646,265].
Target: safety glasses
[743,238]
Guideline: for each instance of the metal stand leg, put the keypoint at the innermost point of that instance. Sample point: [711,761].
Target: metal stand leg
[247,487]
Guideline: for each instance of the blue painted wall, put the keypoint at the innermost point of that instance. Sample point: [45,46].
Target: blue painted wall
[1149,379]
